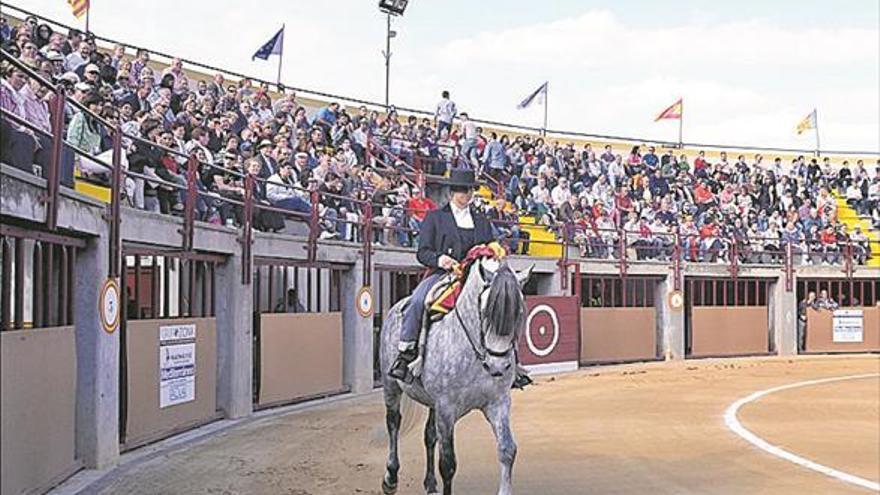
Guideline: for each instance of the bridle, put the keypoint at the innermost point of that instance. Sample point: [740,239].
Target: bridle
[481,351]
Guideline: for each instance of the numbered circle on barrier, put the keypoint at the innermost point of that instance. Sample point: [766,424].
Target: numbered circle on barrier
[364,302]
[676,300]
[542,330]
[109,305]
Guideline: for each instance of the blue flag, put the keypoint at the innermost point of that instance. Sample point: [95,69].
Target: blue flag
[539,94]
[272,47]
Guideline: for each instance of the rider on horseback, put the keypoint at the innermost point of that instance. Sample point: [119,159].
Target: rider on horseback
[445,237]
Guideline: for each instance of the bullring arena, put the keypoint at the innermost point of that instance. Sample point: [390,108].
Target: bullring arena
[170,326]
[630,429]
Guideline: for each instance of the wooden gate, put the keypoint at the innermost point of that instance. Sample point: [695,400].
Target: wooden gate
[38,358]
[297,331]
[168,343]
[727,317]
[618,319]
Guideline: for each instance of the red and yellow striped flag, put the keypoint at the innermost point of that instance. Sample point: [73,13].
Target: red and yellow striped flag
[80,7]
[673,112]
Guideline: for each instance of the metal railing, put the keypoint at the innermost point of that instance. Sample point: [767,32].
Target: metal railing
[366,217]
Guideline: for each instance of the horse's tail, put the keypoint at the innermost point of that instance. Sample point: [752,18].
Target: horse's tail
[505,308]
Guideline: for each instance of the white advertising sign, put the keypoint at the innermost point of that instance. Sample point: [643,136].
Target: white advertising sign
[848,325]
[177,364]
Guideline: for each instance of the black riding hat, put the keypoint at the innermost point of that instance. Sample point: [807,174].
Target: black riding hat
[462,178]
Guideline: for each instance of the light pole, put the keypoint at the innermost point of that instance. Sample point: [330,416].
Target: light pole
[389,8]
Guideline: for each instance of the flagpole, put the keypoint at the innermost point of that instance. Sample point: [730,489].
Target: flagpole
[280,56]
[816,127]
[546,94]
[88,11]
[680,123]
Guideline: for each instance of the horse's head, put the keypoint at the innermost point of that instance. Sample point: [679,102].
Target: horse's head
[501,306]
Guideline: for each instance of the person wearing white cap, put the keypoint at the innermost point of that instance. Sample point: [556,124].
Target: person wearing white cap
[92,75]
[269,165]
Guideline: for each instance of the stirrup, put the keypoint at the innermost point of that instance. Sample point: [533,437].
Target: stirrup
[400,367]
[521,381]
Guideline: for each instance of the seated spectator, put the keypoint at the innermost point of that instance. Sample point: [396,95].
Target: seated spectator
[20,143]
[84,135]
[283,191]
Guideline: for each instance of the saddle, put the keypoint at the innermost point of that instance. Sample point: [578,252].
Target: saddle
[441,298]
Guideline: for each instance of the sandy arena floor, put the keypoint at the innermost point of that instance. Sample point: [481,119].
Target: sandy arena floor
[653,428]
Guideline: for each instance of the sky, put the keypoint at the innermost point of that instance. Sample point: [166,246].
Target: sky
[748,71]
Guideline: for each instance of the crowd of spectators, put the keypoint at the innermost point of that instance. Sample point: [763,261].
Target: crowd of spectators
[598,199]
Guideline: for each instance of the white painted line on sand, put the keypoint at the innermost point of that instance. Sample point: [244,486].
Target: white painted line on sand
[733,424]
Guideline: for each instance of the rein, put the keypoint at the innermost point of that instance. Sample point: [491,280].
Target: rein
[481,351]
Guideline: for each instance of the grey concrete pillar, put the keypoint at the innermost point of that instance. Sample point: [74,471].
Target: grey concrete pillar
[357,334]
[97,393]
[670,322]
[235,302]
[550,284]
[783,317]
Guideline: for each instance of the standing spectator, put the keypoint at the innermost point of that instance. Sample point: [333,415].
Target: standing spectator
[808,303]
[445,113]
[494,157]
[825,301]
[469,143]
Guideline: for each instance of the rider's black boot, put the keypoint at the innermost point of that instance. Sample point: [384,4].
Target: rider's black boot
[522,378]
[400,369]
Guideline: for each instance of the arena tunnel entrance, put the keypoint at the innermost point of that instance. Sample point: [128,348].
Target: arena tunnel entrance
[168,313]
[851,325]
[619,319]
[39,357]
[298,340]
[727,317]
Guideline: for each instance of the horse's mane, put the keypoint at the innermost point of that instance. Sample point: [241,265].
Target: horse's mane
[505,309]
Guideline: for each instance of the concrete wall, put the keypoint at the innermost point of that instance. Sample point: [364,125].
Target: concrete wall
[97,369]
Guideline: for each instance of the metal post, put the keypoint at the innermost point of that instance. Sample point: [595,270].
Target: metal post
[387,54]
[848,265]
[734,261]
[247,229]
[54,173]
[313,227]
[546,95]
[680,124]
[789,268]
[189,209]
[368,243]
[676,262]
[115,205]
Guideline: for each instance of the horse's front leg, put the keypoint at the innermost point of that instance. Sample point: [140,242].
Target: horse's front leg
[498,416]
[392,423]
[430,445]
[445,421]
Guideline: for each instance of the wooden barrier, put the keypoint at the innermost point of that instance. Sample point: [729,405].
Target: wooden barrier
[300,356]
[820,332]
[729,331]
[550,338]
[37,408]
[611,335]
[146,420]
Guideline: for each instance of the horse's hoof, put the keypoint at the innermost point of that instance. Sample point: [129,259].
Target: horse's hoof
[388,489]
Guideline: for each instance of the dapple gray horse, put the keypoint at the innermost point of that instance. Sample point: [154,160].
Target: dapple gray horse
[469,363]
